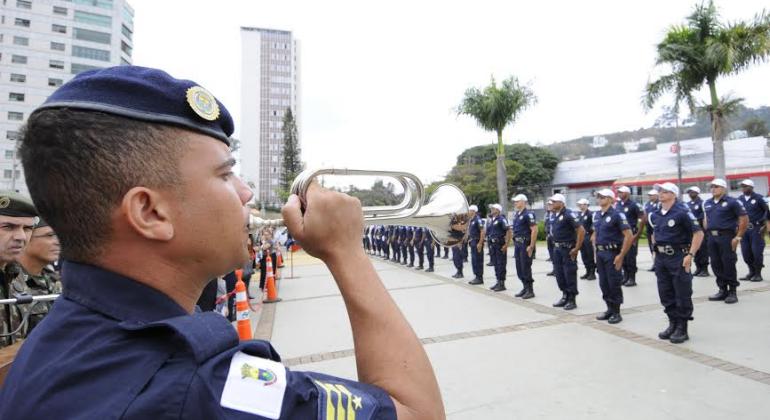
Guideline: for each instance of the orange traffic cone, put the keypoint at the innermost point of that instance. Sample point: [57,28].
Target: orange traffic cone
[280,260]
[272,292]
[242,308]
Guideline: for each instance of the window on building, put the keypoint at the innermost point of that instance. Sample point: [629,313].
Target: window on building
[128,33]
[124,62]
[93,19]
[59,29]
[56,64]
[92,53]
[79,68]
[104,4]
[58,10]
[18,59]
[128,16]
[18,78]
[11,135]
[126,48]
[23,4]
[57,46]
[54,82]
[9,154]
[21,40]
[15,116]
[92,36]
[24,23]
[7,174]
[15,97]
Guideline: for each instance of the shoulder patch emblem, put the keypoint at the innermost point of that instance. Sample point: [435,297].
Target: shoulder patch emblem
[337,401]
[254,385]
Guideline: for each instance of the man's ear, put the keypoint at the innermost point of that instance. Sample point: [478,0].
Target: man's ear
[148,213]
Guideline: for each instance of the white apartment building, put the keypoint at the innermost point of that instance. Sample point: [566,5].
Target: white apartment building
[269,86]
[44,43]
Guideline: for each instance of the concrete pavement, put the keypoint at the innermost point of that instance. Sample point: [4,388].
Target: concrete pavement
[500,357]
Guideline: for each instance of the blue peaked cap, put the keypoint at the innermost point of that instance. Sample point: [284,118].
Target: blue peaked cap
[145,94]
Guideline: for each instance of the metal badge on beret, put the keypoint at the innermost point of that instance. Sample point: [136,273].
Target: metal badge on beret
[5,201]
[203,103]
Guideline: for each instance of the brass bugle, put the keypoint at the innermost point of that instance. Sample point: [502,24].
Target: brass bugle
[440,213]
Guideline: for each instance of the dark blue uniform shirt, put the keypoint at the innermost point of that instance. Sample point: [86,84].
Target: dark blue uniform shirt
[723,214]
[755,207]
[564,226]
[609,227]
[498,227]
[649,208]
[112,348]
[633,212]
[522,221]
[675,226]
[475,228]
[696,208]
[547,222]
[587,220]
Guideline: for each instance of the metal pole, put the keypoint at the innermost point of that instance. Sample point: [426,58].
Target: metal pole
[13,166]
[678,157]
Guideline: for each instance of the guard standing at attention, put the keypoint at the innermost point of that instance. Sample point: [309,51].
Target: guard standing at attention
[649,207]
[586,218]
[677,237]
[634,214]
[476,236]
[725,222]
[568,235]
[612,238]
[524,240]
[417,243]
[499,234]
[753,242]
[702,256]
[547,219]
[427,245]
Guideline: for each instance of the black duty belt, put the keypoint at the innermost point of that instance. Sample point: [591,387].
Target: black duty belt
[522,239]
[564,244]
[495,240]
[721,232]
[672,249]
[474,239]
[608,247]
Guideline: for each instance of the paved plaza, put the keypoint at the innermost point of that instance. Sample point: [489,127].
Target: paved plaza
[500,357]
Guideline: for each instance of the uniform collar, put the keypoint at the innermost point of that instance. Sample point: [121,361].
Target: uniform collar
[116,296]
[610,209]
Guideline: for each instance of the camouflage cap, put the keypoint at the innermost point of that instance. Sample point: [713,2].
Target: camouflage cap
[16,205]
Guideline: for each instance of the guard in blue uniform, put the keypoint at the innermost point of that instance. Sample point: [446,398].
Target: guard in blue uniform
[457,257]
[365,239]
[547,219]
[634,214]
[725,222]
[499,234]
[652,204]
[753,242]
[702,256]
[476,236]
[612,239]
[419,249]
[132,345]
[568,235]
[586,218]
[488,222]
[524,239]
[677,237]
[410,245]
[427,244]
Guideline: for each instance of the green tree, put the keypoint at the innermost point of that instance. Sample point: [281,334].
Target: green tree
[291,164]
[755,127]
[495,108]
[698,53]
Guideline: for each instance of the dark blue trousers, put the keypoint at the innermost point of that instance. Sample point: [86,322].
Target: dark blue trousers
[565,269]
[498,258]
[610,279]
[752,247]
[403,252]
[410,248]
[477,258]
[587,253]
[723,260]
[549,244]
[702,256]
[674,285]
[420,253]
[629,262]
[457,258]
[385,248]
[429,251]
[523,262]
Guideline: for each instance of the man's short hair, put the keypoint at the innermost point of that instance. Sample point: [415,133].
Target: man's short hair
[79,165]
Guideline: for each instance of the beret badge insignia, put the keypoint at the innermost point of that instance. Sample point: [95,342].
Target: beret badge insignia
[5,202]
[203,103]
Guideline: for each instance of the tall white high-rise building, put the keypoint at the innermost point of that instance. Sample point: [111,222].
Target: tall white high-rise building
[269,86]
[44,43]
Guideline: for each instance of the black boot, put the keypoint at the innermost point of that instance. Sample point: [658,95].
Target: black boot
[522,292]
[631,280]
[757,274]
[749,275]
[499,286]
[429,270]
[720,295]
[615,318]
[550,273]
[476,280]
[680,333]
[732,295]
[561,302]
[530,292]
[591,274]
[584,276]
[704,272]
[606,315]
[666,334]
[625,278]
[419,267]
[570,303]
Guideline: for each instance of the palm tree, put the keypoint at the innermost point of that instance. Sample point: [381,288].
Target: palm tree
[495,108]
[701,51]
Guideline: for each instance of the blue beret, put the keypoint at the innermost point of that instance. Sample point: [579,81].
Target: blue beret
[145,94]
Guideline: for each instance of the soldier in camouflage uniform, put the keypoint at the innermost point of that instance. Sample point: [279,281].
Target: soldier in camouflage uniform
[37,274]
[17,219]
